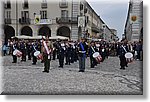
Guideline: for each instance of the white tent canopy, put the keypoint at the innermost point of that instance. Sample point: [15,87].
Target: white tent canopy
[40,37]
[22,37]
[37,37]
[59,37]
[28,37]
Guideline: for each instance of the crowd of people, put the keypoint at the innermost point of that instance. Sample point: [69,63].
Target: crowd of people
[68,52]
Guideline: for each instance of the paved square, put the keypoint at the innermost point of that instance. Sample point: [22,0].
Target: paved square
[104,79]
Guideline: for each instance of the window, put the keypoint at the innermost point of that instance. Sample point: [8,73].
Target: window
[7,17]
[7,4]
[64,13]
[44,4]
[25,14]
[25,5]
[24,17]
[7,14]
[63,4]
[43,14]
[81,6]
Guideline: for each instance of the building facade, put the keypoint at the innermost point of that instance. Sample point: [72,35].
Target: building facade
[69,18]
[134,24]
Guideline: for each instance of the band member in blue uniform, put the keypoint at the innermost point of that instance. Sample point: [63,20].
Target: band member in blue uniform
[34,49]
[72,53]
[92,50]
[102,52]
[54,50]
[75,51]
[29,50]
[14,47]
[122,51]
[82,49]
[68,54]
[61,52]
[23,50]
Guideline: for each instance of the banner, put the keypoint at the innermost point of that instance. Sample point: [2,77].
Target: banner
[37,19]
[81,21]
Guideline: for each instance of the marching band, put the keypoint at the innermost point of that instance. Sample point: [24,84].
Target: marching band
[69,52]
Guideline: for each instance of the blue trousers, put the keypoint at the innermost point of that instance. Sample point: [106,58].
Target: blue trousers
[82,63]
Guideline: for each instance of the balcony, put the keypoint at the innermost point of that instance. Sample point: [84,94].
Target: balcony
[63,4]
[95,28]
[24,20]
[44,5]
[25,5]
[7,5]
[67,20]
[7,21]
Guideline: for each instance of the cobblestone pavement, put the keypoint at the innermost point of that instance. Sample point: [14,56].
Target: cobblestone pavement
[104,79]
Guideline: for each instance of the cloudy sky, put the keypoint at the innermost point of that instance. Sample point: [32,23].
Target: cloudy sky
[112,12]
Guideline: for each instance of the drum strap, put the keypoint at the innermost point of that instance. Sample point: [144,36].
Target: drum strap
[34,48]
[13,47]
[46,47]
[92,48]
[124,49]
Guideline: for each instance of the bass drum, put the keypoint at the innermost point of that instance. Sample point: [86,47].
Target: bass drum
[129,57]
[97,57]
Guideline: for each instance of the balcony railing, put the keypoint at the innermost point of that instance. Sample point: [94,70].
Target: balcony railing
[7,6]
[7,21]
[24,20]
[63,4]
[95,28]
[25,5]
[68,20]
[44,5]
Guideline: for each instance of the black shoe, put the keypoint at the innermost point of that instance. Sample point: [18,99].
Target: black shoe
[81,70]
[66,63]
[33,63]
[126,65]
[122,68]
[44,71]
[60,66]
[14,62]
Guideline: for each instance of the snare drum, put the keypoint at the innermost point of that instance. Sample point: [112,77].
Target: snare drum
[97,57]
[17,53]
[129,57]
[38,55]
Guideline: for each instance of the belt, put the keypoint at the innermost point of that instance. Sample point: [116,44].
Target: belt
[82,51]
